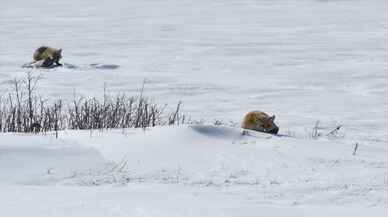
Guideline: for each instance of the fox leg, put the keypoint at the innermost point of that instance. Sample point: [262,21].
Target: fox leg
[48,62]
[58,64]
[33,62]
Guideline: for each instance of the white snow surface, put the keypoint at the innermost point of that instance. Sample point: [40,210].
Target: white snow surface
[302,60]
[189,171]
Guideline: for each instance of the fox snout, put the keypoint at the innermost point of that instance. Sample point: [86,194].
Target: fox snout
[273,131]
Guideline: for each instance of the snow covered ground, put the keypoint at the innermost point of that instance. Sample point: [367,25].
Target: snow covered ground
[189,171]
[303,61]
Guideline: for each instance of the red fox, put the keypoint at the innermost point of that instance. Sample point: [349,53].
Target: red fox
[48,55]
[260,121]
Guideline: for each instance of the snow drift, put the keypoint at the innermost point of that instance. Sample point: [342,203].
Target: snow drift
[280,170]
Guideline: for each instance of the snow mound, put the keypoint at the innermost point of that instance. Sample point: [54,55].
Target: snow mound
[38,160]
[220,132]
[272,169]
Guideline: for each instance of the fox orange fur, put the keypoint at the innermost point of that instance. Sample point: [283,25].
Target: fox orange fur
[260,121]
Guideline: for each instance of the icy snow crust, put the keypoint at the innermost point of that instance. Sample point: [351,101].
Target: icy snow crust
[300,60]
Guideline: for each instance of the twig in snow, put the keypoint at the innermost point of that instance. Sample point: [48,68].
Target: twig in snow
[334,131]
[355,149]
[315,134]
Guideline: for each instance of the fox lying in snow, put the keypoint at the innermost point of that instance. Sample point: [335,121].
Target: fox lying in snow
[260,121]
[48,56]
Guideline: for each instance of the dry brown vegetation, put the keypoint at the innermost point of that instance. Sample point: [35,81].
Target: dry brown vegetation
[23,110]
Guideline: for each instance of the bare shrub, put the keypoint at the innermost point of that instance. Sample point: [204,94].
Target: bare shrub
[23,111]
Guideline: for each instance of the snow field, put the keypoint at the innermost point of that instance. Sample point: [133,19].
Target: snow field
[268,169]
[303,61]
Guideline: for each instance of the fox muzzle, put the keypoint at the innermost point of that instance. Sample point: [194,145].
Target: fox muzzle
[274,131]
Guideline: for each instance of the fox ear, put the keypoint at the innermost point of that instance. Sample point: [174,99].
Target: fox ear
[60,50]
[272,118]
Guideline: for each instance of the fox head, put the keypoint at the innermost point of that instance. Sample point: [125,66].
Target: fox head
[267,125]
[57,54]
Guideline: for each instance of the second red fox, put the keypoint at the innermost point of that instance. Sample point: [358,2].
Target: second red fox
[260,121]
